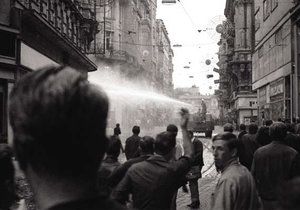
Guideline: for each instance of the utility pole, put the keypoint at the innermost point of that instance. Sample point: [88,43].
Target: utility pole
[104,11]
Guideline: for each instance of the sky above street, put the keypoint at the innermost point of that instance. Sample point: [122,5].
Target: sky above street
[183,20]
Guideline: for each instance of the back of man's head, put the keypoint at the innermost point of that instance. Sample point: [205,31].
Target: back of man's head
[278,131]
[173,129]
[269,122]
[147,145]
[228,127]
[59,121]
[253,128]
[164,143]
[136,130]
[242,127]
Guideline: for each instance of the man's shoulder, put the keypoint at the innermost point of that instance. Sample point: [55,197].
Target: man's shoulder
[235,173]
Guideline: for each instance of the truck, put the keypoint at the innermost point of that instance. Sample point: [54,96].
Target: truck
[201,123]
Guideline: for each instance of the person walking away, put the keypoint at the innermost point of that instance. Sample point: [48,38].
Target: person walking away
[263,137]
[154,181]
[59,123]
[132,143]
[248,146]
[108,165]
[195,173]
[117,129]
[272,166]
[235,189]
[242,131]
[146,148]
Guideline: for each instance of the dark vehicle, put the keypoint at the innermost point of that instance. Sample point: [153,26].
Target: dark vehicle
[201,124]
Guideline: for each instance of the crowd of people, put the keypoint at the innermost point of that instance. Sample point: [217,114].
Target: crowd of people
[60,144]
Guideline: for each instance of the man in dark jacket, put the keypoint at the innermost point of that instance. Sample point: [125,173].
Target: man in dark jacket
[273,165]
[154,181]
[248,146]
[132,143]
[195,172]
[242,131]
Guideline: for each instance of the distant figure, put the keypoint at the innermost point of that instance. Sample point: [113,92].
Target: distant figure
[59,124]
[242,131]
[146,148]
[108,165]
[235,189]
[174,130]
[132,143]
[117,141]
[272,166]
[269,123]
[154,181]
[228,127]
[248,145]
[117,129]
[195,173]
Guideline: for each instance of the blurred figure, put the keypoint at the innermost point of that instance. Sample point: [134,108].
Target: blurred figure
[235,189]
[117,140]
[263,137]
[154,181]
[248,146]
[108,165]
[117,129]
[289,197]
[195,173]
[292,139]
[8,196]
[59,122]
[228,127]
[242,131]
[272,166]
[132,143]
[146,148]
[269,123]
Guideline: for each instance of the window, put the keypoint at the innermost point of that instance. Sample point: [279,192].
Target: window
[266,8]
[274,4]
[278,36]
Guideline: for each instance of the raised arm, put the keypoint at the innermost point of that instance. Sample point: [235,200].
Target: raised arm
[187,143]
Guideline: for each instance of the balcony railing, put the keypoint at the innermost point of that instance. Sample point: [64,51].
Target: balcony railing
[70,18]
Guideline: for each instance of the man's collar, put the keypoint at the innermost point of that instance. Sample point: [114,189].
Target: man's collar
[231,162]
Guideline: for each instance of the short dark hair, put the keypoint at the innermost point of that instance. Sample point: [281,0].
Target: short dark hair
[228,127]
[172,128]
[164,142]
[242,127]
[147,144]
[278,131]
[269,122]
[253,128]
[59,122]
[230,138]
[136,130]
[118,124]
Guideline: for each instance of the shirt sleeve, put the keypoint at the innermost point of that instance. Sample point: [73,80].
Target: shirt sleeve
[224,195]
[181,167]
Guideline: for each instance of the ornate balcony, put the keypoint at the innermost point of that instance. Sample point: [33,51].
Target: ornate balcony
[71,19]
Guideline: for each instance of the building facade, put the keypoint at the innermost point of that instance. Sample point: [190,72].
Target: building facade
[239,101]
[38,33]
[135,45]
[275,59]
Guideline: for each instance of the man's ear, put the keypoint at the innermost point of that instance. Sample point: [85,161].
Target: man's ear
[234,152]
